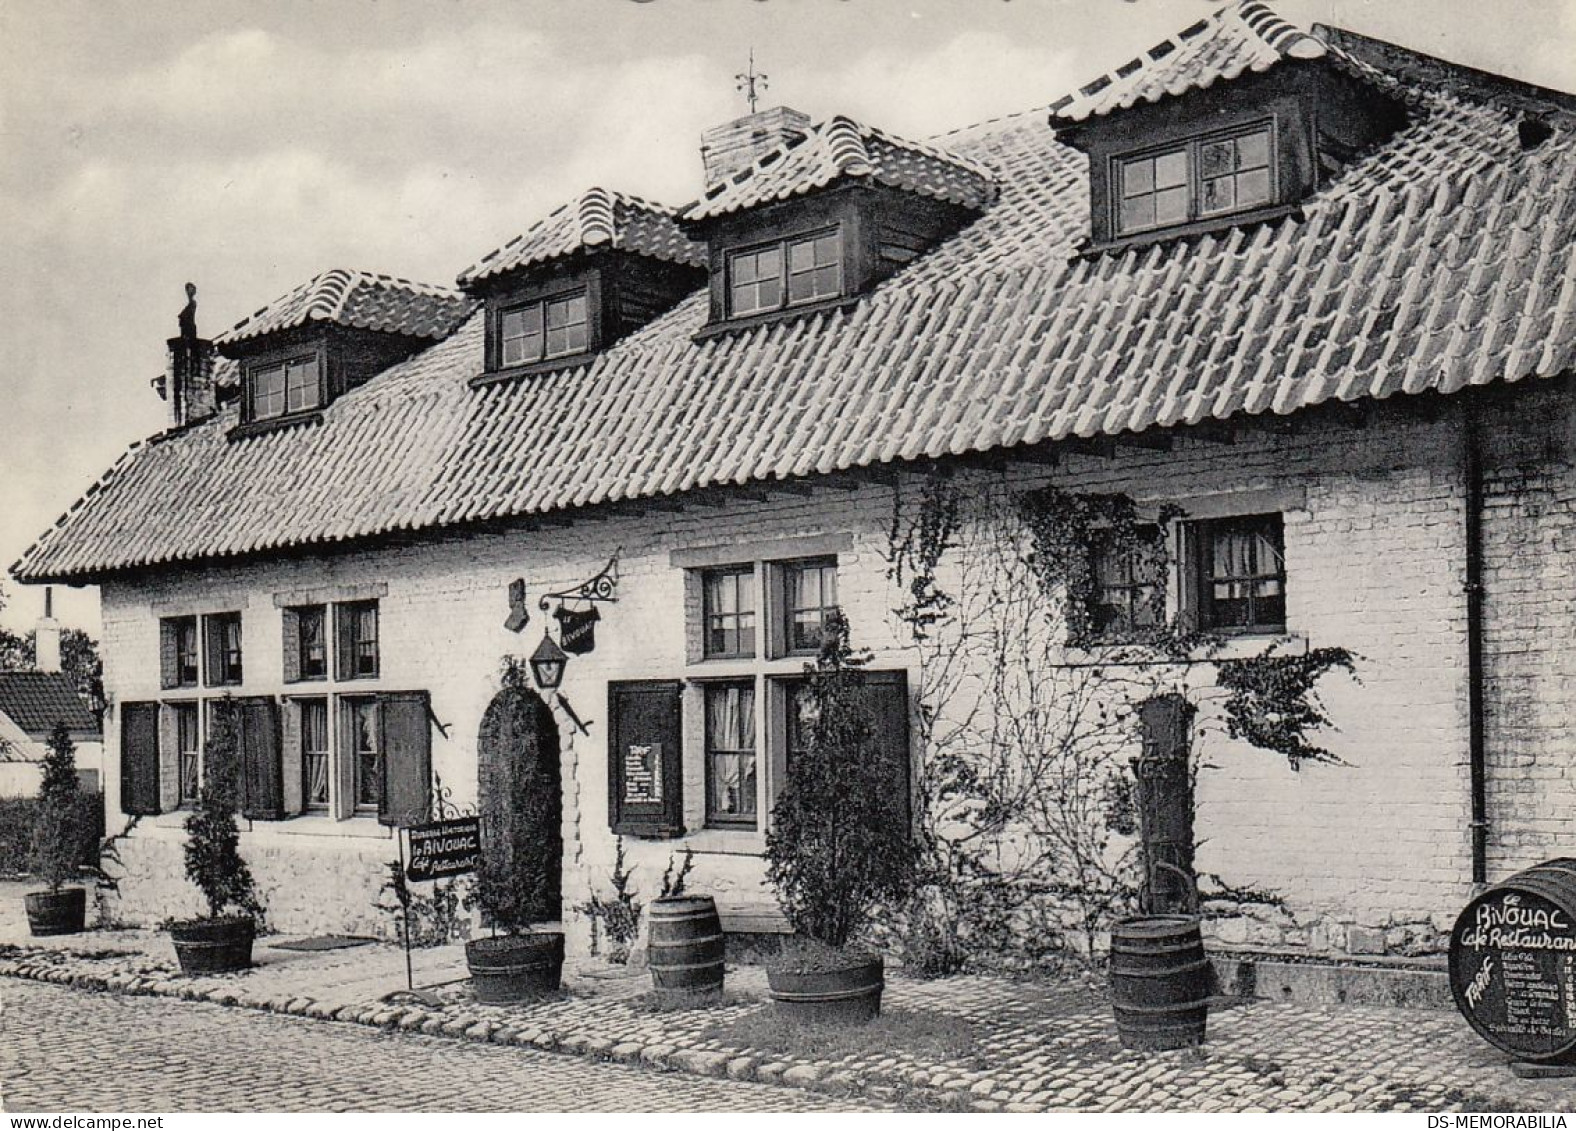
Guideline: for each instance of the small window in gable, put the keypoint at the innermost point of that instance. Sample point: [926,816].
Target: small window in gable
[785,273]
[545,329]
[1209,176]
[282,388]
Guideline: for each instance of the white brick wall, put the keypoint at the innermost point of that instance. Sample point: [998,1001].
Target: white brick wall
[1375,564]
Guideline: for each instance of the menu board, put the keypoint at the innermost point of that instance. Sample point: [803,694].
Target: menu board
[643,773]
[1513,971]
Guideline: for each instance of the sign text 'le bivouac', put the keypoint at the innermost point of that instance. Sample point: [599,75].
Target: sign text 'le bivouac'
[1513,963]
[444,848]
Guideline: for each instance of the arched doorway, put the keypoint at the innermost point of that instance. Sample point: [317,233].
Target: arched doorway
[518,790]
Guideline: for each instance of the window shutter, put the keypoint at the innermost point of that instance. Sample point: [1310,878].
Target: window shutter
[168,676]
[262,779]
[290,744]
[886,696]
[645,758]
[212,653]
[139,759]
[1189,567]
[344,643]
[169,760]
[344,783]
[292,645]
[406,748]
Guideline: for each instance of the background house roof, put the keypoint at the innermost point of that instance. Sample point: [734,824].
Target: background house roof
[1445,258]
[598,218]
[35,701]
[358,300]
[841,147]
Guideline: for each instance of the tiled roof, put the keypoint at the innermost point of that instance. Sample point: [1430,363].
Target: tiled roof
[362,301]
[841,147]
[35,701]
[1443,259]
[598,218]
[1244,36]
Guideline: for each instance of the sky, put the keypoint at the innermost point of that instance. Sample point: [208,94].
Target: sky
[249,146]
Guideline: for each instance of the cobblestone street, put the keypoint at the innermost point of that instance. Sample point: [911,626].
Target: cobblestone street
[66,1050]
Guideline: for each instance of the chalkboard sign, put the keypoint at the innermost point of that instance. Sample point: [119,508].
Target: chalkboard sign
[443,848]
[1513,963]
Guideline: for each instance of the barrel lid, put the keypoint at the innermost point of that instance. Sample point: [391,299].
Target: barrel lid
[1156,926]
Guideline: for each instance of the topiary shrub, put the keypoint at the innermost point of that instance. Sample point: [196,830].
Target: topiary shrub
[58,831]
[213,839]
[838,846]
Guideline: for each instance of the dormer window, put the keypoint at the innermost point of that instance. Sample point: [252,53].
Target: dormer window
[786,273]
[551,328]
[1209,176]
[281,388]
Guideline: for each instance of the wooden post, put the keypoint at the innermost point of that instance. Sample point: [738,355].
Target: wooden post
[1165,805]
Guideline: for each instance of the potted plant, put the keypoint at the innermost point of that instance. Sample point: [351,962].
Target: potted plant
[56,857]
[514,881]
[838,846]
[222,940]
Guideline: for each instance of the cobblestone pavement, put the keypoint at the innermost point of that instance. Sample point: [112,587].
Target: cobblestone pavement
[1037,1046]
[146,1054]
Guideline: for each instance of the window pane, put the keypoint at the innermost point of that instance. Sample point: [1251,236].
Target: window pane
[730,718]
[801,255]
[1138,177]
[811,594]
[522,334]
[1137,213]
[1171,206]
[730,754]
[1217,158]
[1253,188]
[729,601]
[364,748]
[314,753]
[1171,170]
[301,386]
[313,645]
[1219,195]
[1253,150]
[268,392]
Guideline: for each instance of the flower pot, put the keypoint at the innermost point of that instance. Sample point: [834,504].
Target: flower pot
[849,995]
[56,912]
[214,946]
[515,967]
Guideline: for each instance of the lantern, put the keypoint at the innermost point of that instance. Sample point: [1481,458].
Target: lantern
[547,664]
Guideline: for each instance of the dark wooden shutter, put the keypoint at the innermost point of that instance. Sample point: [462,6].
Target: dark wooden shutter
[292,645]
[344,642]
[406,748]
[168,661]
[886,694]
[262,778]
[212,652]
[1190,568]
[139,759]
[645,771]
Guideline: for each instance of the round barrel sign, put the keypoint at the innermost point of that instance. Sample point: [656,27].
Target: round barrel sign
[1513,963]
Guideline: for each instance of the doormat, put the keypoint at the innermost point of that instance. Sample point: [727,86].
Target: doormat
[323,942]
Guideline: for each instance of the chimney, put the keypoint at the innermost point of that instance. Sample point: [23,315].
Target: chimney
[188,378]
[46,639]
[735,146]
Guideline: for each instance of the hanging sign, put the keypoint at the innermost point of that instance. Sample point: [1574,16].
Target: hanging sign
[444,848]
[643,774]
[519,615]
[577,629]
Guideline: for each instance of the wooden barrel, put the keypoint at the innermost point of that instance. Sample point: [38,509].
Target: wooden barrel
[1513,963]
[510,968]
[1159,982]
[685,951]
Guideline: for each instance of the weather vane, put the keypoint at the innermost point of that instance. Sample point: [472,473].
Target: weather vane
[750,84]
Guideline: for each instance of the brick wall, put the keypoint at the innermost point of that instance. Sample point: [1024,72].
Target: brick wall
[1371,855]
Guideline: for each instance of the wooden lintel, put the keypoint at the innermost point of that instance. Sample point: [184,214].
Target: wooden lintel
[1213,432]
[1153,441]
[1034,453]
[1091,446]
[790,486]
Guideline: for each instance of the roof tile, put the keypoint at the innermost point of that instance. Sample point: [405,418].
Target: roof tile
[358,300]
[35,701]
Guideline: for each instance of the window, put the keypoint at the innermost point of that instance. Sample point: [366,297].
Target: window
[1242,574]
[357,644]
[730,755]
[1206,177]
[809,597]
[537,331]
[284,387]
[786,273]
[187,746]
[306,641]
[314,754]
[178,652]
[729,600]
[223,638]
[1127,584]
[364,748]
